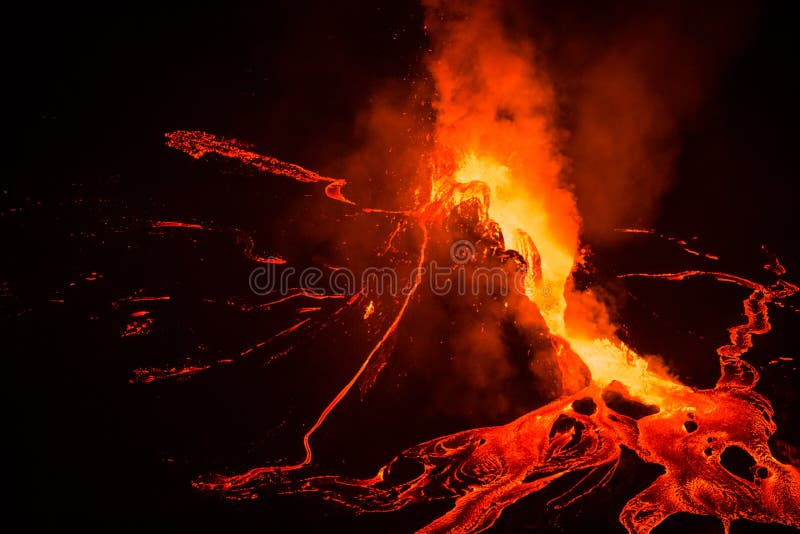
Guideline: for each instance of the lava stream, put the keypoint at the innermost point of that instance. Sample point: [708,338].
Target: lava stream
[485,470]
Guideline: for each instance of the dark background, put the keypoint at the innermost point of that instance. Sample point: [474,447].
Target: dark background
[92,91]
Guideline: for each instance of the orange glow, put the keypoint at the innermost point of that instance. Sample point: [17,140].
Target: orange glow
[523,219]
[495,117]
[495,143]
[627,403]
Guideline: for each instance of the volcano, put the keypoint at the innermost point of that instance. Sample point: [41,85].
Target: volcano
[525,294]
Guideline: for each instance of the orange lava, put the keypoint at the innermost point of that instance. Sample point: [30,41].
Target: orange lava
[198,144]
[496,145]
[486,469]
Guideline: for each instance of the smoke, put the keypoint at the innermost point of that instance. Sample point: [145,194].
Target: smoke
[589,120]
[603,100]
[493,100]
[633,81]
[496,113]
[392,131]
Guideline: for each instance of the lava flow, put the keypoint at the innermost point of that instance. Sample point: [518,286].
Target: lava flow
[687,431]
[496,183]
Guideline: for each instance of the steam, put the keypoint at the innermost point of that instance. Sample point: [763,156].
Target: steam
[494,102]
[604,145]
[633,90]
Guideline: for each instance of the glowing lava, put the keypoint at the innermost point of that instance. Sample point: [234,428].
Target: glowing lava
[484,470]
[496,146]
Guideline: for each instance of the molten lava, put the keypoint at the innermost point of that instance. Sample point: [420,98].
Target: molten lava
[496,178]
[685,430]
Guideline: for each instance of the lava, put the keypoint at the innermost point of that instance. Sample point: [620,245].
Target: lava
[682,243]
[486,469]
[496,171]
[198,144]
